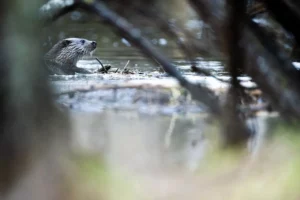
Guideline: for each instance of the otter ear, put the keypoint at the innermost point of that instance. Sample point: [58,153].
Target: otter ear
[66,43]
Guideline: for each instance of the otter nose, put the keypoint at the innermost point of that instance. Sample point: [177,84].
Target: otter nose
[94,44]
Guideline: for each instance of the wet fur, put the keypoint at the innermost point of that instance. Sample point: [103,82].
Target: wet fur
[63,56]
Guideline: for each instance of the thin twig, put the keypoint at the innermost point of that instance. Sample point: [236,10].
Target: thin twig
[100,63]
[125,67]
[104,68]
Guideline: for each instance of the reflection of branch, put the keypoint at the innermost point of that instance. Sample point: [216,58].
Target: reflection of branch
[134,36]
[170,130]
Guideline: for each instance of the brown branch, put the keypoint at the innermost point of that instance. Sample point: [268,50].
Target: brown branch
[235,131]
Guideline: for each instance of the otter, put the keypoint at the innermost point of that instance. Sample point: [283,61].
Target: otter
[63,56]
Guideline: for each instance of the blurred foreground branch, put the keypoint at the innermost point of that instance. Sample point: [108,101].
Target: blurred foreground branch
[30,123]
[266,72]
[236,131]
[54,9]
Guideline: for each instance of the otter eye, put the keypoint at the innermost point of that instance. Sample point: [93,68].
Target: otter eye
[82,41]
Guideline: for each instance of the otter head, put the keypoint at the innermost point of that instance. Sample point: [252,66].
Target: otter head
[70,50]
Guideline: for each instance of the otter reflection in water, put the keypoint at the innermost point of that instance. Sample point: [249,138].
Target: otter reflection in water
[63,56]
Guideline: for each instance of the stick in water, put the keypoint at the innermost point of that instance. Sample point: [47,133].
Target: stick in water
[100,63]
[104,68]
[125,66]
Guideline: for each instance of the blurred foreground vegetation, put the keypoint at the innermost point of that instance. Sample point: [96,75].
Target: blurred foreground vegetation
[236,149]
